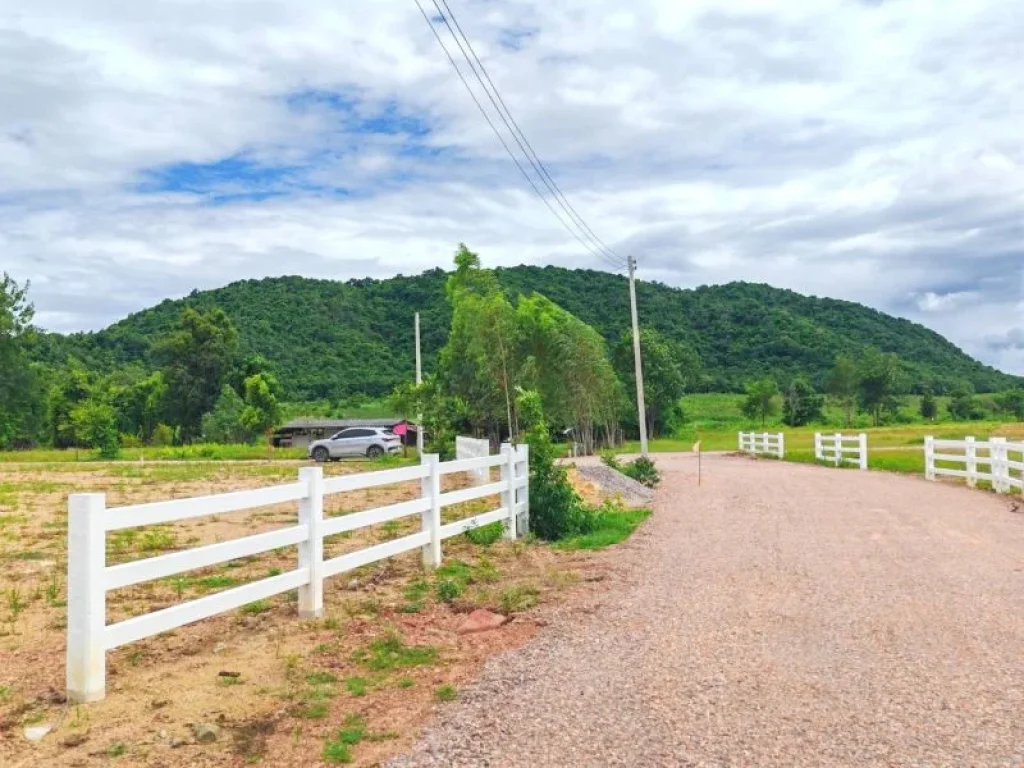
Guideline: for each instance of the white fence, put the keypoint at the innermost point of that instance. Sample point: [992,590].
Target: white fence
[89,637]
[842,449]
[472,448]
[763,443]
[1004,461]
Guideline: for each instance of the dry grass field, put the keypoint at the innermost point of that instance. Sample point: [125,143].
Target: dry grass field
[353,687]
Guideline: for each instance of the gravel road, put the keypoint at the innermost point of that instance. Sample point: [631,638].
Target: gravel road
[779,615]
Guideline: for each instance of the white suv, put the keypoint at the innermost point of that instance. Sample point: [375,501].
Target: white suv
[372,442]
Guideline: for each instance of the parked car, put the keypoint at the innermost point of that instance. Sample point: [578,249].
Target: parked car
[372,442]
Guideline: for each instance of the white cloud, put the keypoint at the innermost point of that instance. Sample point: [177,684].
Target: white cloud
[869,151]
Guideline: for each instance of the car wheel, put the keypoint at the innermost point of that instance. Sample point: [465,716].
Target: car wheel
[321,454]
[374,452]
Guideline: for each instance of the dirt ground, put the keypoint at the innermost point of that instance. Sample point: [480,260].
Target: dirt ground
[278,691]
[777,615]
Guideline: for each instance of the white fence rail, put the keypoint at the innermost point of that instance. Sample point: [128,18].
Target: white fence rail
[89,637]
[842,449]
[472,448]
[1004,461]
[763,443]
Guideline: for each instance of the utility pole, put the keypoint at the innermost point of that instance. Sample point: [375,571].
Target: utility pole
[419,380]
[640,407]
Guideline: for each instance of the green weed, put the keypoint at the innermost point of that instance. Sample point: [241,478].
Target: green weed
[255,608]
[391,653]
[486,535]
[518,598]
[446,693]
[316,711]
[611,528]
[357,686]
[320,678]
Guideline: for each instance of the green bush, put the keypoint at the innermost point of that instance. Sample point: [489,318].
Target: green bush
[643,471]
[556,510]
[486,535]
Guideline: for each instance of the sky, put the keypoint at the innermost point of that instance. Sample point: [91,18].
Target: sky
[869,150]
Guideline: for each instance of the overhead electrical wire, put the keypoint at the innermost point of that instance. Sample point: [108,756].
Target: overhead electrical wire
[517,133]
[595,247]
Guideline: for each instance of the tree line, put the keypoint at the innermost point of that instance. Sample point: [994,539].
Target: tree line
[497,349]
[202,387]
[872,384]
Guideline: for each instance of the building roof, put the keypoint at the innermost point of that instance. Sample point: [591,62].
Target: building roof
[339,423]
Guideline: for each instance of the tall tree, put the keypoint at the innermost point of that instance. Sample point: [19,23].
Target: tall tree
[197,360]
[761,400]
[262,410]
[477,364]
[843,385]
[670,369]
[565,360]
[801,405]
[962,404]
[20,400]
[880,379]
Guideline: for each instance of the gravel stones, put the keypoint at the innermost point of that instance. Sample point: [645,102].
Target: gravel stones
[778,615]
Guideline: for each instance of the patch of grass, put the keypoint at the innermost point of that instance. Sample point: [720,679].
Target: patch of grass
[320,678]
[116,750]
[449,590]
[216,582]
[406,682]
[456,570]
[611,528]
[446,693]
[157,540]
[357,686]
[315,711]
[521,597]
[339,749]
[485,535]
[486,572]
[5,692]
[28,554]
[391,653]
[255,608]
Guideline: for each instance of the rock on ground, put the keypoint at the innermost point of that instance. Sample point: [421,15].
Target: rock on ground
[778,615]
[613,483]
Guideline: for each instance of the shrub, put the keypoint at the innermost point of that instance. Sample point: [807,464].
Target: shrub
[643,471]
[486,535]
[556,510]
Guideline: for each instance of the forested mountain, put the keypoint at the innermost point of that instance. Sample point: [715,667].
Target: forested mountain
[328,339]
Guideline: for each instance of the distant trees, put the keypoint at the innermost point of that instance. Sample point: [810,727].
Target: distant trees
[1011,402]
[760,402]
[929,406]
[670,370]
[844,384]
[801,405]
[879,380]
[21,405]
[962,403]
[196,361]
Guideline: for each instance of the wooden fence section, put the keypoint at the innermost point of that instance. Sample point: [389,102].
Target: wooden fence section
[1004,461]
[763,444]
[89,637]
[837,449]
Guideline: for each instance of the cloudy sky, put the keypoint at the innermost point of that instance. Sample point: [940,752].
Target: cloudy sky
[870,150]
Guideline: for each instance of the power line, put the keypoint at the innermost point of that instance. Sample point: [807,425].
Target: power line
[590,248]
[517,132]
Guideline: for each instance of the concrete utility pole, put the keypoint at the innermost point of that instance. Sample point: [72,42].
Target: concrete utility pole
[419,380]
[640,407]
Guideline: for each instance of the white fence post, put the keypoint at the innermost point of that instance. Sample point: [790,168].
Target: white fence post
[929,458]
[971,452]
[87,598]
[431,518]
[863,450]
[839,448]
[818,450]
[1000,471]
[524,517]
[782,445]
[311,551]
[740,442]
[508,496]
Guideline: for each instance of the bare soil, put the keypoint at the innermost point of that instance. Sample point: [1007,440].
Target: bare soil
[276,688]
[778,615]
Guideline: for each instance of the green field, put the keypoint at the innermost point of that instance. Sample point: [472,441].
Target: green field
[715,420]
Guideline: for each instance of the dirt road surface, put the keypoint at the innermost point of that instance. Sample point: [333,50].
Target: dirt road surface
[779,615]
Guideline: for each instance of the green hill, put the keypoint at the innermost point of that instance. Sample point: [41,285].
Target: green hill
[331,339]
